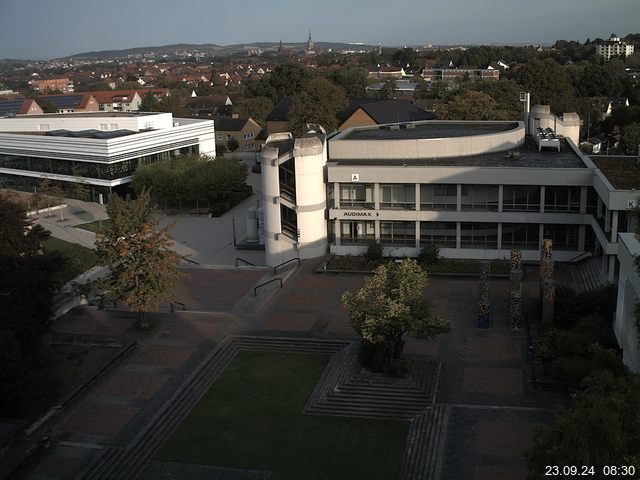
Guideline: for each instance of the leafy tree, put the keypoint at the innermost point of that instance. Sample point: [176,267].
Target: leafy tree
[389,306]
[149,103]
[172,104]
[256,107]
[353,80]
[233,144]
[388,89]
[601,427]
[19,236]
[320,102]
[630,138]
[143,268]
[472,105]
[404,57]
[288,80]
[549,84]
[47,105]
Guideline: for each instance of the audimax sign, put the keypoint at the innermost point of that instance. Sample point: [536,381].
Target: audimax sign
[359,213]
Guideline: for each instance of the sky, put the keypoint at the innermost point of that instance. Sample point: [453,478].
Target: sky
[43,29]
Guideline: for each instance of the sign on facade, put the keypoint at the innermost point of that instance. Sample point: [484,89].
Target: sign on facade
[355,177]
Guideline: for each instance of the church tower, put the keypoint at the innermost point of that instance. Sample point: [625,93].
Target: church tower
[310,44]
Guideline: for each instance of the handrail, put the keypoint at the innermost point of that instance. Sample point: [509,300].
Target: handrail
[275,269]
[255,289]
[579,257]
[172,308]
[190,261]
[244,261]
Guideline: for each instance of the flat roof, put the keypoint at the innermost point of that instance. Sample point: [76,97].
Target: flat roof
[623,172]
[525,156]
[89,114]
[429,129]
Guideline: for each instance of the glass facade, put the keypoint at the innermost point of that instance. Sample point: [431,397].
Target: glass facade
[439,197]
[521,198]
[479,235]
[287,171]
[564,237]
[357,232]
[523,236]
[440,234]
[97,170]
[480,197]
[398,196]
[356,195]
[289,222]
[398,233]
[562,199]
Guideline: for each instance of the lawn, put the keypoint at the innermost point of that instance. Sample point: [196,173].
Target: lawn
[252,418]
[92,226]
[79,258]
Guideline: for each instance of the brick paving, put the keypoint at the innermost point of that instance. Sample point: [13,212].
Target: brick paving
[483,380]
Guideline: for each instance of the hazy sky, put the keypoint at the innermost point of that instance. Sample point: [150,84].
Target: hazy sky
[53,28]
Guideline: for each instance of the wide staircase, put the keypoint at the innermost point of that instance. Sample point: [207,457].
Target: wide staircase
[586,275]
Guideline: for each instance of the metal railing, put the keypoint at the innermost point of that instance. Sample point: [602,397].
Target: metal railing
[238,259]
[275,269]
[172,308]
[190,261]
[255,289]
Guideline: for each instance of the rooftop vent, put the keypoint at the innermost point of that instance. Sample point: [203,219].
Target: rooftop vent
[410,126]
[394,127]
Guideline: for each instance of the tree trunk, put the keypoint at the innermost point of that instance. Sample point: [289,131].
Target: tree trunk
[142,320]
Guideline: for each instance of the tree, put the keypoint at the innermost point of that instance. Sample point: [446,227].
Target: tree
[288,80]
[630,139]
[472,105]
[549,84]
[404,57]
[319,103]
[143,268]
[149,103]
[256,107]
[172,104]
[233,144]
[388,89]
[353,80]
[601,427]
[389,306]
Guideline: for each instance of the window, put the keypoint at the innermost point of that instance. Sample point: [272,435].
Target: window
[439,197]
[43,127]
[289,222]
[229,137]
[287,172]
[398,233]
[357,195]
[562,199]
[517,198]
[440,234]
[103,126]
[220,137]
[479,235]
[114,126]
[480,197]
[357,232]
[398,196]
[523,236]
[564,237]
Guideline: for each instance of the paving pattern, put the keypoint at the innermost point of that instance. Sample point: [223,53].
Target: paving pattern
[474,423]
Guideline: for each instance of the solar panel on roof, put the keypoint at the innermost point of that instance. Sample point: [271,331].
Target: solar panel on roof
[64,101]
[10,107]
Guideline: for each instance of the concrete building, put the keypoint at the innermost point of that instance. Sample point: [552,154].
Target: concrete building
[614,47]
[118,100]
[474,189]
[244,130]
[98,149]
[63,85]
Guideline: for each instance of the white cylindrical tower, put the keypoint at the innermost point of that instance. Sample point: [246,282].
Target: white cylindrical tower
[311,199]
[271,205]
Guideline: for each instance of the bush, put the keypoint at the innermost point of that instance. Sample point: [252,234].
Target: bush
[429,255]
[374,252]
[571,306]
[375,357]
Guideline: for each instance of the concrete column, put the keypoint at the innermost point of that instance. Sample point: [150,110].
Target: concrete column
[540,235]
[583,200]
[500,195]
[612,268]
[614,226]
[598,208]
[336,195]
[377,233]
[337,232]
[417,234]
[500,233]
[607,220]
[542,191]
[459,199]
[417,197]
[376,198]
[582,233]
[458,227]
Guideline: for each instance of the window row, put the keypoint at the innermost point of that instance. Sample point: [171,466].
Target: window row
[103,171]
[525,236]
[515,198]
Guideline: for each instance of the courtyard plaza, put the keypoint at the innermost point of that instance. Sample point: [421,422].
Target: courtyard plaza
[484,384]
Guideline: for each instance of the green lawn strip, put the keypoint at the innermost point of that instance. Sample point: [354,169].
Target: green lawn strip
[252,418]
[92,226]
[79,259]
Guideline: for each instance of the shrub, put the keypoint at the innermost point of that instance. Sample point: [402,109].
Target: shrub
[429,255]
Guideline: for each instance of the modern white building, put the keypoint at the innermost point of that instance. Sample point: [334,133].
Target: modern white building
[100,149]
[625,324]
[473,189]
[614,47]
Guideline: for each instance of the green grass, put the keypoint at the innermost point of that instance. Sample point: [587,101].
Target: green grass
[79,259]
[252,418]
[92,226]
